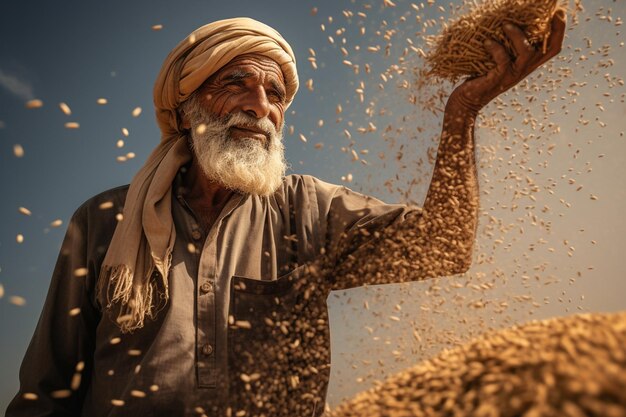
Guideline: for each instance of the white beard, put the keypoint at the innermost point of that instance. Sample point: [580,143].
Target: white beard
[242,164]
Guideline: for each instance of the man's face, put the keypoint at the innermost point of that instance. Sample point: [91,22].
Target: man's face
[235,121]
[252,84]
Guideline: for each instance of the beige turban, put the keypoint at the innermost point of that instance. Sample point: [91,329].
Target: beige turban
[143,241]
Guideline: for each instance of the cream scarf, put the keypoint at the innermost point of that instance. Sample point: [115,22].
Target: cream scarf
[133,281]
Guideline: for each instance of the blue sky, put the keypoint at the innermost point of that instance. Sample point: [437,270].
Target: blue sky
[78,51]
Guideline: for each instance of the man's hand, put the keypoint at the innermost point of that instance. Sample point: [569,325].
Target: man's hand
[475,93]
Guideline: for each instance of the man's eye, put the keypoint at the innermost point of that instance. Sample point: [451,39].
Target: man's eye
[275,95]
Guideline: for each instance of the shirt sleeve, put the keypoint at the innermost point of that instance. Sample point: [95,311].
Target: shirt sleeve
[56,369]
[354,219]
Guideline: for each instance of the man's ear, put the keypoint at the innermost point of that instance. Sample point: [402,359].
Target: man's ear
[184,120]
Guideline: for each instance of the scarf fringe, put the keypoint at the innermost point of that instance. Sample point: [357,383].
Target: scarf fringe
[134,301]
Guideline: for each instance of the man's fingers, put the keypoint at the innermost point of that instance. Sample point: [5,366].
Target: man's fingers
[555,41]
[523,50]
[557,33]
[499,55]
[477,92]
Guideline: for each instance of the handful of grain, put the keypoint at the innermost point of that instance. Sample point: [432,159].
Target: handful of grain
[459,50]
[572,366]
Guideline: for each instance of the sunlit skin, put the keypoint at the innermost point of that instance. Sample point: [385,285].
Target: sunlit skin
[254,84]
[250,83]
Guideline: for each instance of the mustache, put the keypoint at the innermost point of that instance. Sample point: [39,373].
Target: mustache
[242,119]
[205,122]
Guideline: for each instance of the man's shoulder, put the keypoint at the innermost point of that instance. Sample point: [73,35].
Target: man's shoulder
[308,184]
[295,181]
[109,201]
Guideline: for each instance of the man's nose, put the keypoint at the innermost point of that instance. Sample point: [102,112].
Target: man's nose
[256,103]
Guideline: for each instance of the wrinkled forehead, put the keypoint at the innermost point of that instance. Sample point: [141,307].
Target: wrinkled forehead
[251,65]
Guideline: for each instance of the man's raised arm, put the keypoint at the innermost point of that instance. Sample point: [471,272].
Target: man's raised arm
[439,240]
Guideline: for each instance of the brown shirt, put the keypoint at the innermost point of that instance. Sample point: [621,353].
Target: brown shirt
[78,363]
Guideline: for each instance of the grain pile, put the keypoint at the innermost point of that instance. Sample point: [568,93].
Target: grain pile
[459,50]
[572,366]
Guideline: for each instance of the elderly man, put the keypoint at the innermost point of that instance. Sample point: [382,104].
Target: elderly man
[200,288]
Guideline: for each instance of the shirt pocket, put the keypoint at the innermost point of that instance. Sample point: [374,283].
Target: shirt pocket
[253,299]
[279,345]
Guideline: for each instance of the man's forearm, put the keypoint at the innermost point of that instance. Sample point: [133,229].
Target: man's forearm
[437,241]
[450,210]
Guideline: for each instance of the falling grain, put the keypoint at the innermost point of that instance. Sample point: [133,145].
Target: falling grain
[34,104]
[201,128]
[75,382]
[81,272]
[24,211]
[18,151]
[17,300]
[106,205]
[243,324]
[65,108]
[137,393]
[61,393]
[31,396]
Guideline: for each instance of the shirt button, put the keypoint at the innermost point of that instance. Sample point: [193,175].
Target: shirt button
[196,235]
[206,287]
[207,349]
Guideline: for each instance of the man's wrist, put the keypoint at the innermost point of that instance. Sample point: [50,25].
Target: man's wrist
[457,108]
